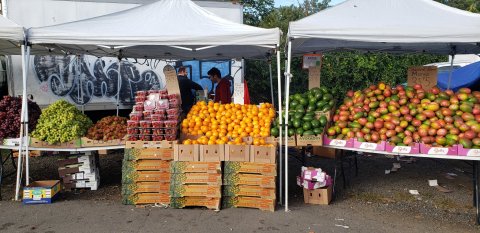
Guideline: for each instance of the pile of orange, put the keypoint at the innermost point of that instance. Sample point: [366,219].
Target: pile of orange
[225,123]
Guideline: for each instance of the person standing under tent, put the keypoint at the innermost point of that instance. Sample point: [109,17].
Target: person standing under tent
[186,86]
[222,91]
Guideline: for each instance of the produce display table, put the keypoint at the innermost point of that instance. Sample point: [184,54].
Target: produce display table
[67,149]
[476,168]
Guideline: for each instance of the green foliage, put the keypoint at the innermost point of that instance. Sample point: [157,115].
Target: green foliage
[468,5]
[255,10]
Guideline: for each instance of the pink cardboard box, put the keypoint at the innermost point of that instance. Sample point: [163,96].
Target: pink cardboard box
[415,149]
[424,149]
[468,152]
[369,145]
[311,185]
[337,142]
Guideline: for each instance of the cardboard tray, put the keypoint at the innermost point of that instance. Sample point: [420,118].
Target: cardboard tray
[337,142]
[212,153]
[41,192]
[197,178]
[146,187]
[150,144]
[249,179]
[249,202]
[146,198]
[148,153]
[263,154]
[77,143]
[415,149]
[195,190]
[237,153]
[186,152]
[311,140]
[424,149]
[369,146]
[195,167]
[252,168]
[248,190]
[86,142]
[468,152]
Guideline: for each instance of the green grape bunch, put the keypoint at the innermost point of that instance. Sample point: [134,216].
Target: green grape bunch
[61,122]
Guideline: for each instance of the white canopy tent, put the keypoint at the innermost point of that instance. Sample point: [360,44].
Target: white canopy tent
[166,29]
[12,42]
[395,26]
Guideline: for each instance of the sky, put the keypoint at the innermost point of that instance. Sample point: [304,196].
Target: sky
[295,2]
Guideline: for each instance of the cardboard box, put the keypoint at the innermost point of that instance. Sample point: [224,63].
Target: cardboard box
[150,165]
[337,142]
[11,142]
[292,141]
[86,142]
[249,202]
[212,153]
[147,198]
[186,152]
[263,154]
[424,149]
[252,168]
[81,176]
[71,169]
[310,140]
[141,176]
[148,153]
[468,152]
[369,145]
[150,144]
[195,167]
[195,190]
[146,187]
[197,178]
[248,190]
[324,152]
[321,196]
[237,153]
[249,179]
[93,185]
[41,192]
[415,149]
[182,202]
[85,160]
[35,143]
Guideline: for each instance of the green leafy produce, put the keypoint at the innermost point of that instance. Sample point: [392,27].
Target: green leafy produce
[61,122]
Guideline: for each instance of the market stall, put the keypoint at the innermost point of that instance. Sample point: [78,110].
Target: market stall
[161,30]
[410,26]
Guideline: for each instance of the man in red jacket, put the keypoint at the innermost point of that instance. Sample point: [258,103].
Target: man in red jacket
[222,92]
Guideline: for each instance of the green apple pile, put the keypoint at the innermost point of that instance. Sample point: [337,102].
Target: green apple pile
[61,122]
[406,115]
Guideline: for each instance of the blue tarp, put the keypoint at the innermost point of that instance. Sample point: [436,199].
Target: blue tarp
[467,76]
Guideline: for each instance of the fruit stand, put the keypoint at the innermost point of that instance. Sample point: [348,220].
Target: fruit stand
[400,121]
[168,40]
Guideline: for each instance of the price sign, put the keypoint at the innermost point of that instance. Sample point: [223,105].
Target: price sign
[314,77]
[238,93]
[311,60]
[171,80]
[424,75]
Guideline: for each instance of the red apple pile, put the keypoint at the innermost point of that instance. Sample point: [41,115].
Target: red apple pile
[108,128]
[405,115]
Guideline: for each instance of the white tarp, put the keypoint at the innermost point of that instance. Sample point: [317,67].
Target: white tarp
[11,35]
[388,25]
[177,29]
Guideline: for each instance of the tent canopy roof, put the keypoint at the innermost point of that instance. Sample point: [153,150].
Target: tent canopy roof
[11,34]
[163,29]
[389,26]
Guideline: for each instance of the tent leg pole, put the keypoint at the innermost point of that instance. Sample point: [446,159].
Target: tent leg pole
[271,82]
[22,116]
[279,88]
[451,71]
[118,84]
[27,156]
[287,93]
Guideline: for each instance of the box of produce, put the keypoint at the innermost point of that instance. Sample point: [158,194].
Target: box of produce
[148,153]
[146,187]
[237,153]
[263,154]
[148,165]
[10,109]
[248,190]
[109,131]
[150,144]
[308,139]
[249,202]
[76,168]
[433,150]
[252,168]
[41,192]
[60,123]
[92,185]
[292,141]
[196,178]
[195,190]
[186,152]
[413,149]
[249,179]
[207,202]
[212,153]
[195,167]
[70,160]
[142,176]
[146,198]
[379,146]
[337,142]
[468,151]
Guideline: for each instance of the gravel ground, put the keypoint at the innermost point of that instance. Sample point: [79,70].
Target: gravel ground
[371,197]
